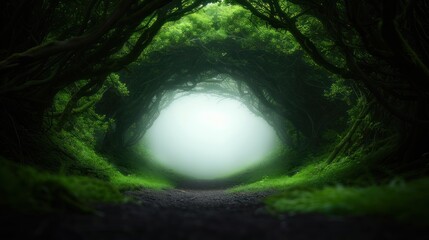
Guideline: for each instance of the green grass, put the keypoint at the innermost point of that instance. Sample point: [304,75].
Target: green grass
[347,187]
[319,173]
[84,178]
[90,163]
[130,182]
[404,201]
[28,189]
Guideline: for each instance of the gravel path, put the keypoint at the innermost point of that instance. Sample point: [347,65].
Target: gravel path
[200,215]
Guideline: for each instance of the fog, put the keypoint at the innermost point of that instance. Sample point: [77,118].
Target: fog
[207,137]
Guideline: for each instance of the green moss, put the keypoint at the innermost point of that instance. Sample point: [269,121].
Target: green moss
[84,179]
[347,187]
[351,169]
[134,182]
[90,163]
[85,161]
[403,201]
[26,188]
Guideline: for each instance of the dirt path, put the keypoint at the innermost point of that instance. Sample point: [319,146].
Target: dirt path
[200,215]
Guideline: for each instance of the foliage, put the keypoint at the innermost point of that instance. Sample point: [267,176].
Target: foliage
[114,82]
[217,22]
[82,118]
[340,90]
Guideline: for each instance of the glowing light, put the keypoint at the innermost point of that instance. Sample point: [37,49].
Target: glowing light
[206,137]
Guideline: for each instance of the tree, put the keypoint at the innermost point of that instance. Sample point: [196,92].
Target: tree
[67,41]
[380,45]
[220,40]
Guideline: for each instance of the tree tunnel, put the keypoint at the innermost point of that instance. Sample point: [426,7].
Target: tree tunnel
[326,103]
[282,89]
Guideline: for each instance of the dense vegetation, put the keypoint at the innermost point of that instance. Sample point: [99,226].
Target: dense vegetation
[344,83]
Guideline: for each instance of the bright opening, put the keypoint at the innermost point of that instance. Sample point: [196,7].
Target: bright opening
[207,137]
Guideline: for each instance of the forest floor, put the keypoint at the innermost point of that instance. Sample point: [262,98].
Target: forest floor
[199,214]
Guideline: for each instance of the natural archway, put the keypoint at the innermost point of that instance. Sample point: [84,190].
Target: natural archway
[343,84]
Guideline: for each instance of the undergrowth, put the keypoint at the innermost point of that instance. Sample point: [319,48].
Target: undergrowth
[319,173]
[88,162]
[348,187]
[84,178]
[29,189]
[405,201]
[64,171]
